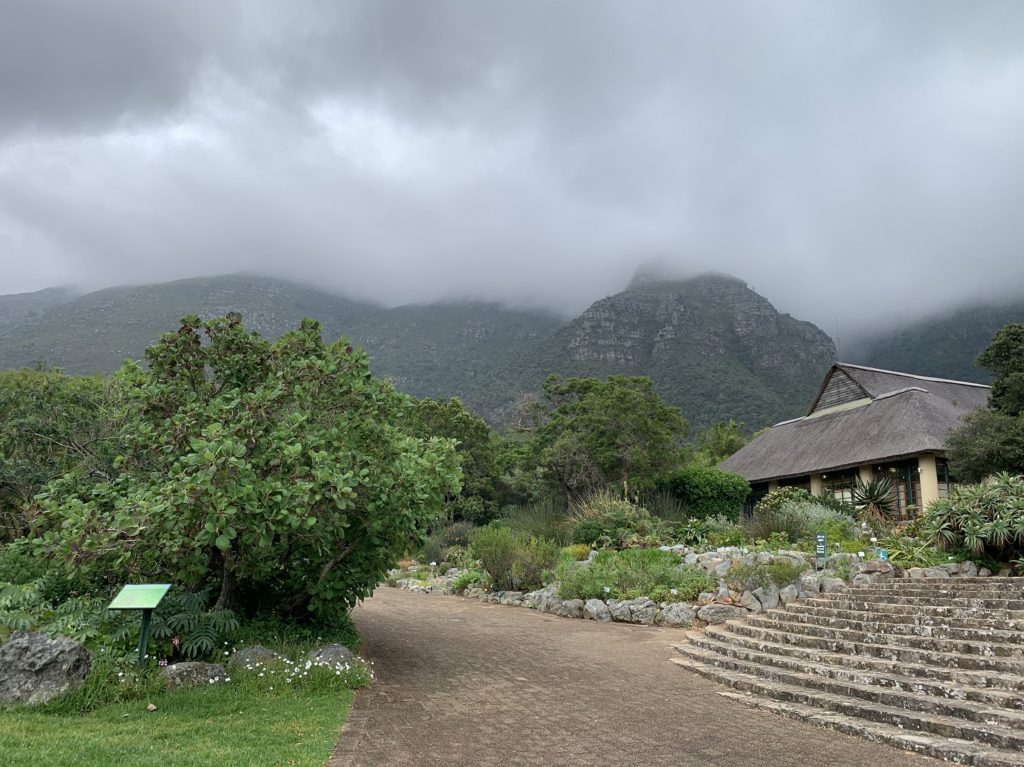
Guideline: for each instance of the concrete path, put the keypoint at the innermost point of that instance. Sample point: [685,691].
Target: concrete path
[462,683]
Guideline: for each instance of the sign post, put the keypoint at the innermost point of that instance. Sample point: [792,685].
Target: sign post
[140,596]
[820,551]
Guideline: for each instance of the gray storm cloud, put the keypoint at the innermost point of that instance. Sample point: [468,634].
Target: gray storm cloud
[853,161]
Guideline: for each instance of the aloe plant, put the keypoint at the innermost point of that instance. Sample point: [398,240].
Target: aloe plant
[875,499]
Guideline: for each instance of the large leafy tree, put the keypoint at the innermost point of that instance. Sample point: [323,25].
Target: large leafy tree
[991,440]
[477,446]
[615,431]
[275,474]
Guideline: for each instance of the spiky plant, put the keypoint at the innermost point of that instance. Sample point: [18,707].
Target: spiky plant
[875,499]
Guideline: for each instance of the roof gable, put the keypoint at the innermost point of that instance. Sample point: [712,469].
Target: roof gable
[838,389]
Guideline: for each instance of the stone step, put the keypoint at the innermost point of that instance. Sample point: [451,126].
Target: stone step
[778,620]
[996,735]
[935,630]
[907,700]
[891,652]
[948,749]
[949,686]
[942,586]
[907,609]
[958,582]
[1003,675]
[813,610]
[981,603]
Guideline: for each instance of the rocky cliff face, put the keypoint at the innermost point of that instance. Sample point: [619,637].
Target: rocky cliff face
[713,347]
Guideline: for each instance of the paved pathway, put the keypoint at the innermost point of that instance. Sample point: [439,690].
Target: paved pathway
[462,683]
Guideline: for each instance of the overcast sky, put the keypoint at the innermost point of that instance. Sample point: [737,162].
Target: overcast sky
[849,160]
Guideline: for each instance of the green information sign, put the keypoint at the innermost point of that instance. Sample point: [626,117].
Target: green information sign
[140,596]
[820,550]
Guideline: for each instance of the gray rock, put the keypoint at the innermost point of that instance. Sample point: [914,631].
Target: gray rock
[619,610]
[35,668]
[719,613]
[329,654]
[832,585]
[764,558]
[768,596]
[597,610]
[969,569]
[934,572]
[749,602]
[915,572]
[809,584]
[193,673]
[704,597]
[690,559]
[984,572]
[722,568]
[643,611]
[571,608]
[511,598]
[675,615]
[252,656]
[789,594]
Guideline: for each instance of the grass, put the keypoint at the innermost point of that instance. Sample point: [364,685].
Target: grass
[234,725]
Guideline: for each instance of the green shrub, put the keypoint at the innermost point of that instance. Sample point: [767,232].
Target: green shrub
[513,560]
[776,499]
[986,518]
[577,551]
[633,573]
[798,520]
[470,578]
[722,531]
[183,626]
[472,509]
[546,518]
[606,520]
[456,533]
[432,549]
[749,577]
[707,491]
[455,556]
[664,505]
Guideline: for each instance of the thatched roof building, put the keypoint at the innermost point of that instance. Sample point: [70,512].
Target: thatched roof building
[863,422]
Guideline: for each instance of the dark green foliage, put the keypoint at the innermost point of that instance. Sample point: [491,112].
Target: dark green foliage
[477,449]
[633,573]
[985,518]
[744,577]
[708,492]
[991,441]
[617,431]
[1004,356]
[457,533]
[607,521]
[986,443]
[184,626]
[50,425]
[719,441]
[275,475]
[514,561]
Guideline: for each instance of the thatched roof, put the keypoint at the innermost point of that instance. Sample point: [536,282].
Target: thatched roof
[901,415]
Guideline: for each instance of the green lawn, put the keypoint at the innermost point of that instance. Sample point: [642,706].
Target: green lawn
[221,725]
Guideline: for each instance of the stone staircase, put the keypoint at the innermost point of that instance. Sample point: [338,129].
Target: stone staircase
[934,666]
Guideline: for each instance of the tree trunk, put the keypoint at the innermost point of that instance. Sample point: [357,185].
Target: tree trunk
[228,598]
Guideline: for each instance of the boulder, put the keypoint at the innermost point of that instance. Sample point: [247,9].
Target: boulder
[193,673]
[597,610]
[789,594]
[619,610]
[329,655]
[643,611]
[719,613]
[768,596]
[832,585]
[675,615]
[934,572]
[35,667]
[969,569]
[571,608]
[984,572]
[250,657]
[809,585]
[511,598]
[722,568]
[749,602]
